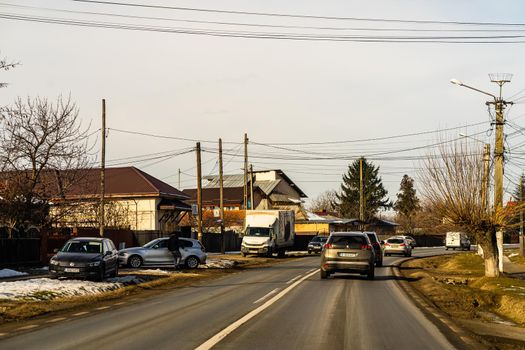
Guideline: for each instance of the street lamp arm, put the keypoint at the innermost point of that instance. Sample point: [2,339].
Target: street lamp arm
[457,82]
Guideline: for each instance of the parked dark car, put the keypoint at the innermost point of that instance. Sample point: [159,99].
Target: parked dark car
[316,244]
[378,248]
[86,258]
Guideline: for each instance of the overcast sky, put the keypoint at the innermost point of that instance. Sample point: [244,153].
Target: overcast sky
[277,91]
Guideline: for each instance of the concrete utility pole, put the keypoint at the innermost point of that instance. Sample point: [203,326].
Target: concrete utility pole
[522,240]
[221,197]
[102,170]
[251,188]
[486,177]
[245,171]
[361,195]
[199,192]
[499,106]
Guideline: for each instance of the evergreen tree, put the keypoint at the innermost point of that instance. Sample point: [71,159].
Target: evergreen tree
[407,203]
[374,193]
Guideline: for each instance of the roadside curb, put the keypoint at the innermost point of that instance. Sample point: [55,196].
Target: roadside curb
[457,335]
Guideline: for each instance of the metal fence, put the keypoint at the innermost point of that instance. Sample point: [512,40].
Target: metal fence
[19,251]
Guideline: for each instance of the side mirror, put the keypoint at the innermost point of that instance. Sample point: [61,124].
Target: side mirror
[55,250]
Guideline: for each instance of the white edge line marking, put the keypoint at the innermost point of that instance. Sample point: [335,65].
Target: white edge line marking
[312,270]
[267,295]
[294,279]
[31,326]
[210,343]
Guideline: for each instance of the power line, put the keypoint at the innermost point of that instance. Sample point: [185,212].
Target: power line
[258,24]
[268,14]
[495,39]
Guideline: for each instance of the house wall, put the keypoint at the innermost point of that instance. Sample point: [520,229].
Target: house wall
[284,188]
[266,176]
[312,229]
[136,214]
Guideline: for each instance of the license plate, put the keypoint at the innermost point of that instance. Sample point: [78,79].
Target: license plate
[348,255]
[395,246]
[71,269]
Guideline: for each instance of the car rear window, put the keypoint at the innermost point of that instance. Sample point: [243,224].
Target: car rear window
[372,237]
[396,240]
[353,242]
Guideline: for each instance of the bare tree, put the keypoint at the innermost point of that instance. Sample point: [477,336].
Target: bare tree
[6,65]
[326,201]
[42,148]
[452,180]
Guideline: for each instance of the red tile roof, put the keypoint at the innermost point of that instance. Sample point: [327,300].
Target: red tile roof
[122,182]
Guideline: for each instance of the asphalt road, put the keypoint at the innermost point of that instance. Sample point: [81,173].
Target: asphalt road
[285,306]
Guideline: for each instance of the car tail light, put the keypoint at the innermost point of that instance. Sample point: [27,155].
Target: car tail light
[366,246]
[328,245]
[402,244]
[387,243]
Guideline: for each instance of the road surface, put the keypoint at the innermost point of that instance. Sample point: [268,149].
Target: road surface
[285,306]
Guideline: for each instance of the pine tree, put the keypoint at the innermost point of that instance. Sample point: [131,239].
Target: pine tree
[407,203]
[374,193]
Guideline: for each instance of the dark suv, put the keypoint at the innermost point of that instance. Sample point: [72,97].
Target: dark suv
[349,252]
[316,244]
[378,248]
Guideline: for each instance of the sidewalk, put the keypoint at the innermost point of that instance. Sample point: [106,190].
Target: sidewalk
[513,269]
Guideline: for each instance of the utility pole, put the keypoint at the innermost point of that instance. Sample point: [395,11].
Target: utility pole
[361,196]
[251,187]
[245,171]
[499,106]
[522,240]
[486,177]
[221,197]
[199,192]
[102,170]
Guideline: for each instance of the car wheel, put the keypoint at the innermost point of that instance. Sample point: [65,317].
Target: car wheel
[101,274]
[309,252]
[371,273]
[379,263]
[192,262]
[135,261]
[281,254]
[324,274]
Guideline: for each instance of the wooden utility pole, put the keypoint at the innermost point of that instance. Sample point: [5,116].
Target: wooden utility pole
[361,196]
[221,197]
[199,192]
[245,171]
[522,239]
[486,177]
[102,170]
[251,188]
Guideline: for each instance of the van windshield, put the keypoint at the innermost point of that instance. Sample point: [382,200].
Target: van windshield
[258,231]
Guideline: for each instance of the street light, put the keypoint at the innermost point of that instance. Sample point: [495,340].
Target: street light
[499,106]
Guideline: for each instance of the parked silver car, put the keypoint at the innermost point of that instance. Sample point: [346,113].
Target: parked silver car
[156,253]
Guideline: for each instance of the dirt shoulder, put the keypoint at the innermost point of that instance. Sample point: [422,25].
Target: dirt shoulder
[15,312]
[488,307]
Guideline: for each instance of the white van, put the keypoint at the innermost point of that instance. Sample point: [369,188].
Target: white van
[457,240]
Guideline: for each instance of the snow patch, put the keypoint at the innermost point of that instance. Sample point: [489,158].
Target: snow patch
[46,288]
[4,273]
[513,255]
[218,264]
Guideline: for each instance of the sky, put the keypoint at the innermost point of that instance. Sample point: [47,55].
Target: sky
[294,98]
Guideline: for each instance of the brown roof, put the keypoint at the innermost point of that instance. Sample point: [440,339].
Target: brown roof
[122,182]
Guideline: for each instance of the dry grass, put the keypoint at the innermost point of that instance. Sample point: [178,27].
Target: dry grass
[457,286]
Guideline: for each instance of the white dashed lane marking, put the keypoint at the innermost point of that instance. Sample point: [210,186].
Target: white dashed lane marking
[81,313]
[31,326]
[102,308]
[56,320]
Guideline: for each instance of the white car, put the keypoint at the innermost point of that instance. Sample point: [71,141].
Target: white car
[156,253]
